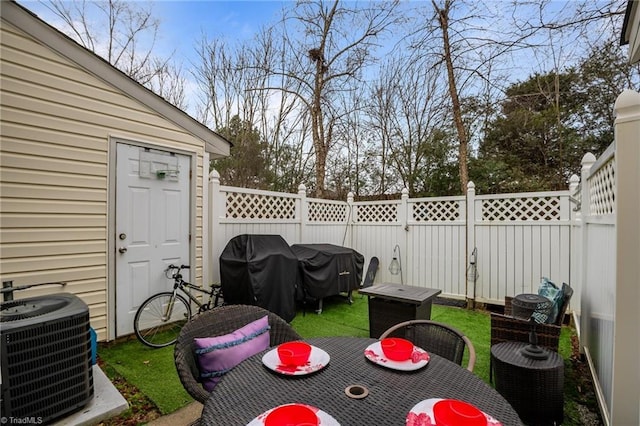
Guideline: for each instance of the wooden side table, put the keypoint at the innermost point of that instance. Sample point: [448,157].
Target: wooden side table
[390,304]
[534,387]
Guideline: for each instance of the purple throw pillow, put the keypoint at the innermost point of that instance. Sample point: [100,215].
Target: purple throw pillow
[217,355]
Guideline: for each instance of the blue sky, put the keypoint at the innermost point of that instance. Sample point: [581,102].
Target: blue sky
[182,22]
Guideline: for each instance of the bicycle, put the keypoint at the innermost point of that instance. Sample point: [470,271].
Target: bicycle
[159,319]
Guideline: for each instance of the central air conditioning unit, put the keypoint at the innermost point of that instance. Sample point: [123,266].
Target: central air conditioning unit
[46,357]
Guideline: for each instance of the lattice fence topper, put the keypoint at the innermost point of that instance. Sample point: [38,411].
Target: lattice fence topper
[602,189]
[251,206]
[327,212]
[436,211]
[376,213]
[522,209]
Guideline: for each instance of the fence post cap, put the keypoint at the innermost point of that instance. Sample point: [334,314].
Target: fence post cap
[588,158]
[628,98]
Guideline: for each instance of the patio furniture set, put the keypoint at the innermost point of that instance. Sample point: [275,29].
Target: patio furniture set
[251,389]
[349,382]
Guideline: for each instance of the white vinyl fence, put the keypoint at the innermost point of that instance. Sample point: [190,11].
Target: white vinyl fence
[588,237]
[519,237]
[609,266]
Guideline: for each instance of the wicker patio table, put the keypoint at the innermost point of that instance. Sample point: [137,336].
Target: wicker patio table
[251,389]
[534,387]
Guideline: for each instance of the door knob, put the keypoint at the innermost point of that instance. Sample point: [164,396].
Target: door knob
[122,249]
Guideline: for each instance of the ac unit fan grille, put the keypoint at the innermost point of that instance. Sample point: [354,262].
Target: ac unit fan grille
[49,403]
[26,349]
[16,310]
[25,373]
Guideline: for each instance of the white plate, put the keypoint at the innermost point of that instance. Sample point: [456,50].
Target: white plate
[422,414]
[318,359]
[325,419]
[419,358]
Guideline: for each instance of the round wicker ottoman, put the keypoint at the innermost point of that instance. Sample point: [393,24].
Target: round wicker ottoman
[533,387]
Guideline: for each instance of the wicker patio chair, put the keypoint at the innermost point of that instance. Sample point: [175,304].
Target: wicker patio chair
[439,338]
[506,328]
[217,322]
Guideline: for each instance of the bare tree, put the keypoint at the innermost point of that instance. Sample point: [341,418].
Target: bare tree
[348,160]
[579,17]
[237,80]
[293,81]
[169,82]
[463,139]
[477,49]
[332,48]
[409,110]
[123,33]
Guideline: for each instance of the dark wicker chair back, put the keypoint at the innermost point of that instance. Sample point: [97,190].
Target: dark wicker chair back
[435,337]
[216,322]
[568,292]
[371,272]
[505,328]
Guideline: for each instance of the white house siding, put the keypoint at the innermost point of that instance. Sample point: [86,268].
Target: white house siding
[56,123]
[631,30]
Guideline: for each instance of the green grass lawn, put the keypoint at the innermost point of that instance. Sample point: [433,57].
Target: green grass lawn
[152,370]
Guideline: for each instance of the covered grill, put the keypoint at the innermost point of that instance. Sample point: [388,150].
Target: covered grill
[260,270]
[328,270]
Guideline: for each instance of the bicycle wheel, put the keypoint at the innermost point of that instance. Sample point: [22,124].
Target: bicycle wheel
[159,319]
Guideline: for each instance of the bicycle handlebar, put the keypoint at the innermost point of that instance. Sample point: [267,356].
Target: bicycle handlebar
[172,266]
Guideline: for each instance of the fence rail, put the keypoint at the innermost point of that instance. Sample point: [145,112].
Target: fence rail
[519,237]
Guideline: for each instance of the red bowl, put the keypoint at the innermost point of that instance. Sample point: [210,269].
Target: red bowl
[396,349]
[294,353]
[292,415]
[452,412]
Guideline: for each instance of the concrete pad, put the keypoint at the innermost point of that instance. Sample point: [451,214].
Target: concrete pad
[184,416]
[106,403]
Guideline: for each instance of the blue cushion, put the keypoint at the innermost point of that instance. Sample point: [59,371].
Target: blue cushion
[219,354]
[551,291]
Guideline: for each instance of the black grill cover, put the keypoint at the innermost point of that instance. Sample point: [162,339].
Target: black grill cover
[260,270]
[328,269]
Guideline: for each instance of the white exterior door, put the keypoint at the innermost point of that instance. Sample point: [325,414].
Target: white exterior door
[151,226]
